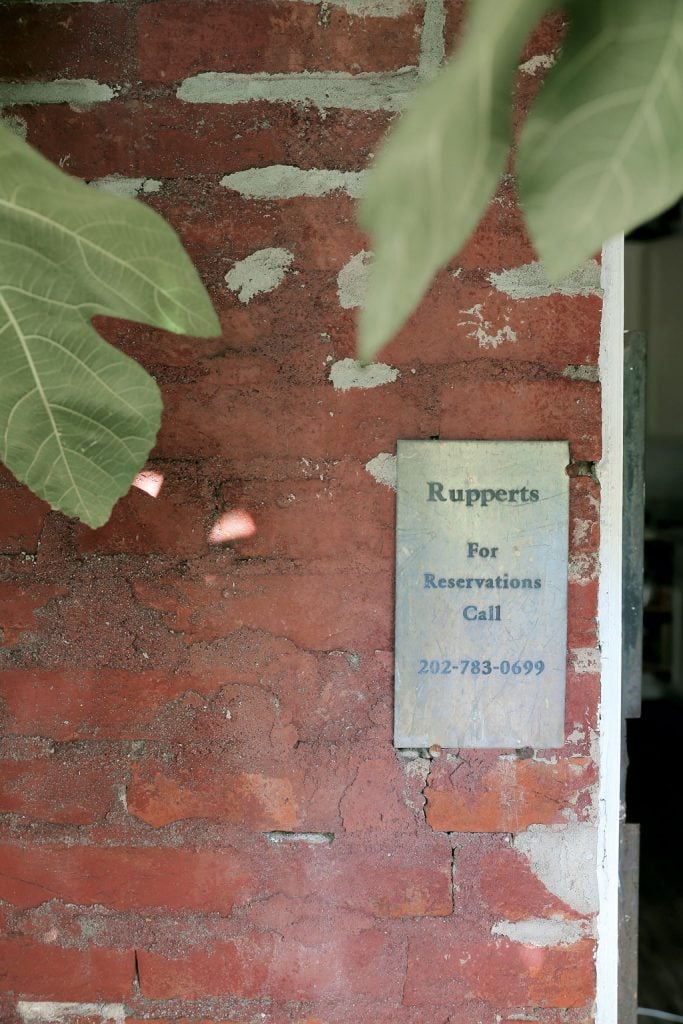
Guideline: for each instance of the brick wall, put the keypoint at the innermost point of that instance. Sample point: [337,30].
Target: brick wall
[204,816]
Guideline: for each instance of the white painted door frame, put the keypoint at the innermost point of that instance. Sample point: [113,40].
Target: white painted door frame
[610,471]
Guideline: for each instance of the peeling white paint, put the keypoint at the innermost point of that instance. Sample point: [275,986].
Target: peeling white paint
[120,185]
[585,659]
[15,124]
[543,931]
[63,1013]
[366,91]
[352,280]
[483,330]
[530,281]
[383,469]
[539,62]
[261,272]
[346,374]
[80,92]
[280,181]
[564,858]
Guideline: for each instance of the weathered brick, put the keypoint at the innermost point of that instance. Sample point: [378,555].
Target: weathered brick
[319,422]
[341,516]
[22,517]
[468,320]
[176,522]
[409,877]
[253,799]
[69,789]
[125,878]
[322,611]
[170,139]
[19,602]
[443,969]
[35,971]
[495,882]
[177,38]
[339,965]
[488,793]
[582,611]
[533,410]
[64,41]
[75,703]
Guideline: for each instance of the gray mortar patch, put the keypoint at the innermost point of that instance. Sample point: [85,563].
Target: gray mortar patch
[432,41]
[352,280]
[366,8]
[16,124]
[585,660]
[542,931]
[51,1013]
[80,92]
[261,272]
[349,373]
[366,91]
[530,281]
[129,188]
[564,858]
[280,181]
[383,469]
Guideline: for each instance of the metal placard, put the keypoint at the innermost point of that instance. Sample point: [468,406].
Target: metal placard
[481,593]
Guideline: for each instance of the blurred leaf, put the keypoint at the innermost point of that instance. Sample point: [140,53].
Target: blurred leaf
[602,148]
[77,417]
[439,168]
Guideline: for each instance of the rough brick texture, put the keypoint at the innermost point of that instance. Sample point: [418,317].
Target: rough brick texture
[204,819]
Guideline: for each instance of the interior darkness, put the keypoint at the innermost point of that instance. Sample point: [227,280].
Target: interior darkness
[654,794]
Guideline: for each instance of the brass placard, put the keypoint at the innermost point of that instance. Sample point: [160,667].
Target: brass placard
[481,593]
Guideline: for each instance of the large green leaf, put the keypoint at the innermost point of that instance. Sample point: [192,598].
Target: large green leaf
[440,167]
[602,149]
[77,417]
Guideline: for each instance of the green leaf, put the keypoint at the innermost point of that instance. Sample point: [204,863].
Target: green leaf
[442,164]
[77,417]
[602,149]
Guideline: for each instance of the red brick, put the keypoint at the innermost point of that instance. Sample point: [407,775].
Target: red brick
[172,139]
[176,522]
[443,970]
[125,879]
[409,877]
[252,799]
[458,316]
[215,220]
[582,611]
[64,41]
[324,611]
[495,882]
[314,422]
[69,789]
[346,514]
[34,971]
[18,604]
[75,703]
[533,410]
[177,38]
[584,514]
[488,793]
[22,516]
[374,799]
[339,966]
